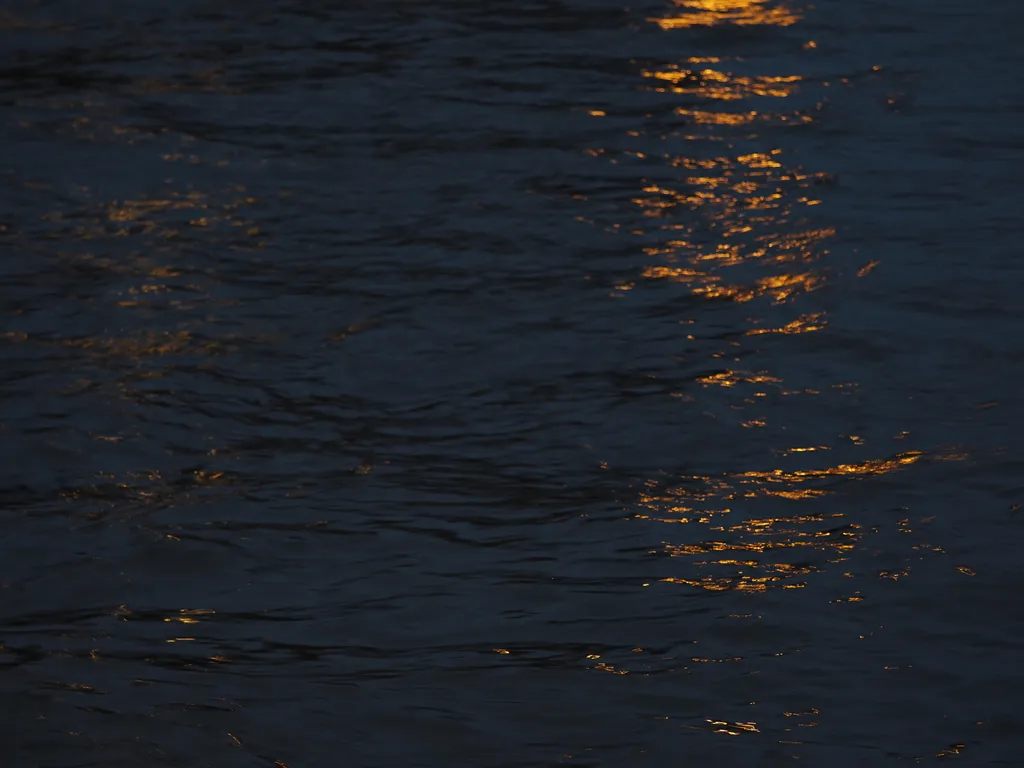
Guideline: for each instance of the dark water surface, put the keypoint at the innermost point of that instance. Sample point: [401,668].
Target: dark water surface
[430,384]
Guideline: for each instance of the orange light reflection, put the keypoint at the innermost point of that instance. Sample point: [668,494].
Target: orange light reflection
[720,85]
[707,13]
[759,551]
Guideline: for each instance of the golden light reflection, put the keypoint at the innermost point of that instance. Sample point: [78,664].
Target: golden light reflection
[780,288]
[732,547]
[134,210]
[732,728]
[736,196]
[720,85]
[863,271]
[860,470]
[146,345]
[732,378]
[139,348]
[189,615]
[738,119]
[157,220]
[743,200]
[725,212]
[707,13]
[803,324]
[730,216]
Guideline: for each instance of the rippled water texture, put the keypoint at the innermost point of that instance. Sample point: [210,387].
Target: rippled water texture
[489,384]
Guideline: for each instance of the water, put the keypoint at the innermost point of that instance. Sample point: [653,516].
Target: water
[486,384]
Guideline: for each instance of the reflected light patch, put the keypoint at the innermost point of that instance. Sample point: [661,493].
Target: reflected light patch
[732,378]
[732,729]
[134,210]
[720,85]
[757,551]
[738,119]
[780,288]
[803,324]
[148,345]
[708,13]
[190,615]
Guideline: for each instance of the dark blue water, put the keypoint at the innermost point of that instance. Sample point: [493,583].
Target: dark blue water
[511,384]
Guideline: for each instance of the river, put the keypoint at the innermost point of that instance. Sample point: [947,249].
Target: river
[511,385]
